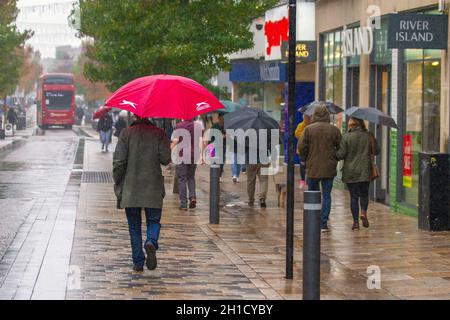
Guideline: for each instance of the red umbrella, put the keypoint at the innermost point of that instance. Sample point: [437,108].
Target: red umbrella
[100,112]
[164,96]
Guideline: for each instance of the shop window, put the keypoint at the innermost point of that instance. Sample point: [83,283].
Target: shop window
[333,70]
[251,94]
[422,122]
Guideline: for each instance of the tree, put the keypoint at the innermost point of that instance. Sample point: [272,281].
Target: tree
[31,70]
[11,47]
[188,38]
[93,91]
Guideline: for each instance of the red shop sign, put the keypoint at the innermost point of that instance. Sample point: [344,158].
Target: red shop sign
[407,155]
[276,32]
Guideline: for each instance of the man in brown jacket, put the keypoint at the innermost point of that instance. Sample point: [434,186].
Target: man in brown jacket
[318,146]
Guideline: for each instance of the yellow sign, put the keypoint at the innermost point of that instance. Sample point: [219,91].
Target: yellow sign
[407,182]
[305,51]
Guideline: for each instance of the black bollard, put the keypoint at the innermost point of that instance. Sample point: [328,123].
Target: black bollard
[311,245]
[214,196]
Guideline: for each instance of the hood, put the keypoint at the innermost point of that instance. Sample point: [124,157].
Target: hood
[321,114]
[141,121]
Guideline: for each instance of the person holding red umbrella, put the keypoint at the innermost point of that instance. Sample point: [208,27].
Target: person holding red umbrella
[142,149]
[139,184]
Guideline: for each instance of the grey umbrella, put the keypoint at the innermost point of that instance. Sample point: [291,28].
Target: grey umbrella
[250,118]
[372,115]
[310,108]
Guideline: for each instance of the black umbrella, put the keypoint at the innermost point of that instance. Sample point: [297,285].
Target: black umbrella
[250,118]
[310,108]
[372,115]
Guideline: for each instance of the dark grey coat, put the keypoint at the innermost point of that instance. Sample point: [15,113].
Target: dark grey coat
[356,149]
[138,179]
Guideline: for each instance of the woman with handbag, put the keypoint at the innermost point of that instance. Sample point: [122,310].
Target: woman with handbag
[358,150]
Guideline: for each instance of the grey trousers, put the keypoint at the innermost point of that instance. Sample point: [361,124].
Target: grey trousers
[186,180]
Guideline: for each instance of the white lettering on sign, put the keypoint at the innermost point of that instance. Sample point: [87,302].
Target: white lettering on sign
[414,31]
[414,25]
[357,41]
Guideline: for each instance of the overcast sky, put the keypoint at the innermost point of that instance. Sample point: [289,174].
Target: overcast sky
[48,19]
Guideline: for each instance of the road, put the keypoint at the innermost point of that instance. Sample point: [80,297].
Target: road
[35,172]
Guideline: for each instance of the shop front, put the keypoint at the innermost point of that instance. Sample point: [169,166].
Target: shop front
[399,66]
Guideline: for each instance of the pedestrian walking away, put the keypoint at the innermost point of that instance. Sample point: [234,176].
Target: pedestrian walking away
[139,184]
[358,148]
[258,156]
[255,170]
[105,125]
[318,146]
[80,114]
[120,124]
[185,170]
[12,118]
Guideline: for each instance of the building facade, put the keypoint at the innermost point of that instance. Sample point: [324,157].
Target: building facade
[366,58]
[259,75]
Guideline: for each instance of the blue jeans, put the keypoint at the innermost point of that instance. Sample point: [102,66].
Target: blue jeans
[134,217]
[327,186]
[235,167]
[105,137]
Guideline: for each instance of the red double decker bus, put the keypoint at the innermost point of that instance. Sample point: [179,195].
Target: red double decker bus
[56,100]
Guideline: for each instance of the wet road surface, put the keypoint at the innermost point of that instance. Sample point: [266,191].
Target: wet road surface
[33,182]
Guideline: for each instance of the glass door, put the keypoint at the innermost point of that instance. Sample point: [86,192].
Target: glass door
[383,103]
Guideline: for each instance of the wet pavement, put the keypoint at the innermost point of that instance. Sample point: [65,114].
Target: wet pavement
[74,243]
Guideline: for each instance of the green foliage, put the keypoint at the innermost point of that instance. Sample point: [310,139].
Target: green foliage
[188,38]
[12,54]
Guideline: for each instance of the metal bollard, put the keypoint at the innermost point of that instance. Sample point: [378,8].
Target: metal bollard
[311,245]
[214,196]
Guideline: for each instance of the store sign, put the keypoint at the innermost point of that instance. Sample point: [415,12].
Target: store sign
[357,41]
[305,51]
[270,71]
[276,30]
[418,31]
[407,161]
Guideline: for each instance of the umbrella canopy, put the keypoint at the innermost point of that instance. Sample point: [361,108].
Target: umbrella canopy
[230,106]
[250,118]
[372,115]
[100,112]
[164,96]
[310,108]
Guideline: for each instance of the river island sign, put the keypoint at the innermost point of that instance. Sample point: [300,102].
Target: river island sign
[418,31]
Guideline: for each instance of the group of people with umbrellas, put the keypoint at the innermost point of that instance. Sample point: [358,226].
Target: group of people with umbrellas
[143,147]
[321,146]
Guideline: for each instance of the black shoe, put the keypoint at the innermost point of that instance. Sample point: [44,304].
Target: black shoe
[251,204]
[138,268]
[193,204]
[263,203]
[151,261]
[183,208]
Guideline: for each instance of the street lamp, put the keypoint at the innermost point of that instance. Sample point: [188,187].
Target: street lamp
[291,141]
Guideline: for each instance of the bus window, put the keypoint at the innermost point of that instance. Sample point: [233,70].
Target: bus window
[58,100]
[58,80]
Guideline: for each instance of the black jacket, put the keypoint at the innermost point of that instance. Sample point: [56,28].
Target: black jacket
[105,123]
